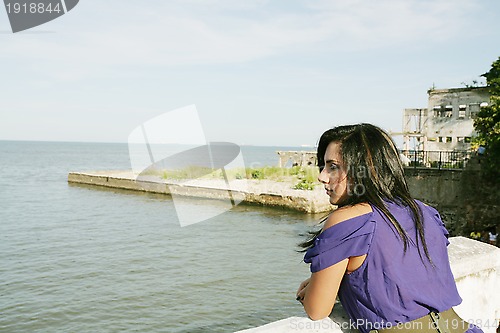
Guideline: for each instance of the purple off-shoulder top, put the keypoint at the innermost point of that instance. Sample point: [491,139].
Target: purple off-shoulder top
[391,286]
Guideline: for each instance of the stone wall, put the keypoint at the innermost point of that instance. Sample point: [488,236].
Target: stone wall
[466,201]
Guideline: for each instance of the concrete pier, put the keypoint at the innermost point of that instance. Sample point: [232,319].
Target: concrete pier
[263,192]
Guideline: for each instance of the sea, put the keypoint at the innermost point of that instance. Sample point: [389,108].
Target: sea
[76,258]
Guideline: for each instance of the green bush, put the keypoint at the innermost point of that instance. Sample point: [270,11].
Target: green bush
[257,174]
[304,185]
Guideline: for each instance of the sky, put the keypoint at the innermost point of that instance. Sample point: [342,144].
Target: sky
[262,72]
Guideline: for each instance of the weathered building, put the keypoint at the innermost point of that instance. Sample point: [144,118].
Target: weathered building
[448,121]
[296,158]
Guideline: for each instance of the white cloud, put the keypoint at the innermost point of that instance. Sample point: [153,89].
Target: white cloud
[366,24]
[223,31]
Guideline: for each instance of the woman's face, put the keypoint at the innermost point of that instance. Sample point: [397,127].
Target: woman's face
[333,175]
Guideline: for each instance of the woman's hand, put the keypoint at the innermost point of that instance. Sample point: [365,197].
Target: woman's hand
[301,292]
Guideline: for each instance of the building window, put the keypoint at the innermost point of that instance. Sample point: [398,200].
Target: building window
[444,139]
[474,107]
[464,139]
[473,110]
[437,111]
[448,111]
[461,111]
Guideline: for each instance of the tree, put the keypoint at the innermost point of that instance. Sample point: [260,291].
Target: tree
[493,78]
[487,123]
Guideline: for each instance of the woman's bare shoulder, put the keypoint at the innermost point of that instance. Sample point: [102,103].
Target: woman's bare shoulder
[346,213]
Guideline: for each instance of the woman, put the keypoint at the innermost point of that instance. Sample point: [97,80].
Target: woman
[381,251]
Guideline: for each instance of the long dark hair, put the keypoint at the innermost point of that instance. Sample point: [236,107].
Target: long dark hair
[374,174]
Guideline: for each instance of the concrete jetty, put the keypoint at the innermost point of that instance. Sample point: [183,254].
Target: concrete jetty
[262,192]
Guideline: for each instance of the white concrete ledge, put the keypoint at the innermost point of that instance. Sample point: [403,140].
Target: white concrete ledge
[297,324]
[476,268]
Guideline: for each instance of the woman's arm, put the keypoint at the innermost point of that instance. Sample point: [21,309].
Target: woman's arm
[320,290]
[318,293]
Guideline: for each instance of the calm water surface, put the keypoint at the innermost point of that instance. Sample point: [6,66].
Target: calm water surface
[85,259]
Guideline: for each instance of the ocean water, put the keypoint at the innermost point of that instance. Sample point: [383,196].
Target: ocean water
[86,259]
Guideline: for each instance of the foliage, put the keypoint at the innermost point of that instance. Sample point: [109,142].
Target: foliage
[493,78]
[282,174]
[187,173]
[304,185]
[267,172]
[474,84]
[487,123]
[447,165]
[307,176]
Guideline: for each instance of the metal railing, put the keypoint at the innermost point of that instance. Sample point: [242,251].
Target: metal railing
[453,159]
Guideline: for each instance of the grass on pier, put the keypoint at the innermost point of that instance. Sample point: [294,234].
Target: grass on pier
[302,178]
